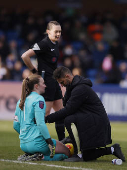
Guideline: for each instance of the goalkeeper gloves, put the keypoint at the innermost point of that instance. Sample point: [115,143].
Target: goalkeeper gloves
[51,147]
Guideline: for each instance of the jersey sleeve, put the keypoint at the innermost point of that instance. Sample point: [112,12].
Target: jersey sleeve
[40,118]
[16,124]
[39,47]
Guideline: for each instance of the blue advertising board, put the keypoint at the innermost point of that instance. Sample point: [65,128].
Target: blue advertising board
[114,99]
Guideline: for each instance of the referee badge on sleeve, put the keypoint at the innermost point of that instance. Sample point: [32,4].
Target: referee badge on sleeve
[41,104]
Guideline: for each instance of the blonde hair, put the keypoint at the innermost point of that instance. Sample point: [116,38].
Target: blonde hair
[27,87]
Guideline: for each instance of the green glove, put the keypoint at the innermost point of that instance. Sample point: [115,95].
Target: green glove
[51,147]
[52,150]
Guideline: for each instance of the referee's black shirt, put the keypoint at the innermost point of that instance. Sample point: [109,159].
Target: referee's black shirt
[47,55]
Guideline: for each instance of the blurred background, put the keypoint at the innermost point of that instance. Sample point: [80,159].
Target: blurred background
[93,44]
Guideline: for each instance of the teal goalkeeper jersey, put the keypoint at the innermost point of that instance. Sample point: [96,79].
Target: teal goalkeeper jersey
[30,123]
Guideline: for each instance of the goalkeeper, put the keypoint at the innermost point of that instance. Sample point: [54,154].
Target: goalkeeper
[29,122]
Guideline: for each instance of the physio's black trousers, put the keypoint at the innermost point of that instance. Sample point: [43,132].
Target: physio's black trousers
[60,129]
[93,154]
[90,154]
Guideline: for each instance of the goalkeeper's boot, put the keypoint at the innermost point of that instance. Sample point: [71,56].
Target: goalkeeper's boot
[116,150]
[35,157]
[28,157]
[22,157]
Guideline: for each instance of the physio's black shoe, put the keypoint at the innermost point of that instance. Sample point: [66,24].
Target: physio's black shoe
[66,140]
[74,158]
[118,152]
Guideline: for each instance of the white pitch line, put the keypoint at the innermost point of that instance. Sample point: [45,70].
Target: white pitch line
[51,165]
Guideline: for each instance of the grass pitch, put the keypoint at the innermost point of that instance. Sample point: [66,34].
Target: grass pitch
[10,150]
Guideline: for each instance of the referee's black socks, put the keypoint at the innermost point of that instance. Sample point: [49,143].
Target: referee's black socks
[60,129]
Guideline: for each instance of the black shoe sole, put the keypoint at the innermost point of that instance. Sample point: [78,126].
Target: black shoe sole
[118,152]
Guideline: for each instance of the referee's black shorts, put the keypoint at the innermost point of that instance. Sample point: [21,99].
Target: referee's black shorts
[52,90]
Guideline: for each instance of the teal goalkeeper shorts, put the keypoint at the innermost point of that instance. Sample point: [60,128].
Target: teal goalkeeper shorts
[38,145]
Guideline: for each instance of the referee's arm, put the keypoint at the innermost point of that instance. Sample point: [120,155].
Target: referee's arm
[26,58]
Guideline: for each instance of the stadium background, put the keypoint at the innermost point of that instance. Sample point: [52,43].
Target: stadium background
[86,47]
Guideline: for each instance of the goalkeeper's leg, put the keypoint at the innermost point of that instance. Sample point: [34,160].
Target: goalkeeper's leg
[57,157]
[61,153]
[61,148]
[37,146]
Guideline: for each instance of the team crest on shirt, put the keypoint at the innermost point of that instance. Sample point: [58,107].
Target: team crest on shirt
[54,59]
[41,104]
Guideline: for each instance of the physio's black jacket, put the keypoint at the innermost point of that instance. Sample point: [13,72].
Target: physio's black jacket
[92,121]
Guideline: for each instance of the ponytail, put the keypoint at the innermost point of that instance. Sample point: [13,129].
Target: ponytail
[25,93]
[27,88]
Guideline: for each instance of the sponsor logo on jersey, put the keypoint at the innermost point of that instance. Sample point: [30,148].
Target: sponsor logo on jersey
[54,59]
[52,49]
[41,104]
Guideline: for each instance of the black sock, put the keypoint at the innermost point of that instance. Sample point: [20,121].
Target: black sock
[60,129]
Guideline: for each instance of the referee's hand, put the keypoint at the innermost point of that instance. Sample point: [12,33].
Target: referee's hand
[34,71]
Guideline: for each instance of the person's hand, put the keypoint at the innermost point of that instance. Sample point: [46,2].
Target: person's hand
[52,150]
[34,71]
[49,118]
[46,119]
[51,147]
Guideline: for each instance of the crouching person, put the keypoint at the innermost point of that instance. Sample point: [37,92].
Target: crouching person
[84,112]
[29,122]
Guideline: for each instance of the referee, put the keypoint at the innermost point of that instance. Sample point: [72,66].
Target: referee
[47,53]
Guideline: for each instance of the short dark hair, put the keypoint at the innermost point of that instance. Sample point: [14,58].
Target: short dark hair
[60,72]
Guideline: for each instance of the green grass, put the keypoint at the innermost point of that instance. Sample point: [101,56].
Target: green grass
[10,150]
